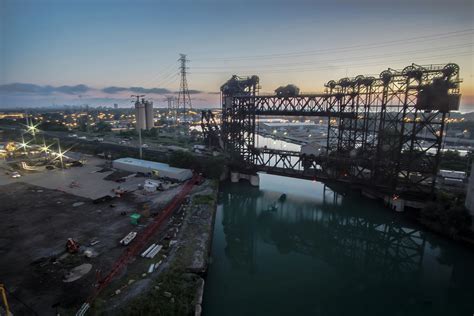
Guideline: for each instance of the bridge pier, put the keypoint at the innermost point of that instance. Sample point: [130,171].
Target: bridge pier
[395,204]
[254,179]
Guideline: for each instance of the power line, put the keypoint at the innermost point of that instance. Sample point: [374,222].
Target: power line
[164,71]
[166,78]
[353,47]
[169,80]
[308,63]
[338,67]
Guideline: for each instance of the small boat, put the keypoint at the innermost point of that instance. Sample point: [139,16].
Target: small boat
[272,207]
[128,239]
[282,198]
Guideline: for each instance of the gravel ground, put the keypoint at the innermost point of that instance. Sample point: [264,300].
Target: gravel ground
[35,225]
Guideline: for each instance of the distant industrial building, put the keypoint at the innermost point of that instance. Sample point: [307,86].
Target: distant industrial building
[158,169]
[144,115]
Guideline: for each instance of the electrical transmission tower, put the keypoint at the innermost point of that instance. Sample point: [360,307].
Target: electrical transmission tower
[183,95]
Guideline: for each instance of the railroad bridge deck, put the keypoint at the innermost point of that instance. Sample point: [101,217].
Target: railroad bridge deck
[385,133]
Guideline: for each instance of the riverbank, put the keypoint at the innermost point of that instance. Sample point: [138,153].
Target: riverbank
[177,288]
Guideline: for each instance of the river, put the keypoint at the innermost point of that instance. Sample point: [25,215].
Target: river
[323,253]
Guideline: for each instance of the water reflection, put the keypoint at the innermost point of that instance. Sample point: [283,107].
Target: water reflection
[325,230]
[328,254]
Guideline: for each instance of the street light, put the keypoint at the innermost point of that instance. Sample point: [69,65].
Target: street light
[60,155]
[24,144]
[45,148]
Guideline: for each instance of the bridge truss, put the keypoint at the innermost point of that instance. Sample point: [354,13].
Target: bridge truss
[385,132]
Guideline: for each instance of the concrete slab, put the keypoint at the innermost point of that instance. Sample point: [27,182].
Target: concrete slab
[90,183]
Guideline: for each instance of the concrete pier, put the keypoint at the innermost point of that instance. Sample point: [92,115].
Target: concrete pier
[254,179]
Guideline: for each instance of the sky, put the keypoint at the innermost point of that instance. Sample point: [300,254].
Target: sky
[100,52]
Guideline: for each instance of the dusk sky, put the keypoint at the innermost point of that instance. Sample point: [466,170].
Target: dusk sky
[94,52]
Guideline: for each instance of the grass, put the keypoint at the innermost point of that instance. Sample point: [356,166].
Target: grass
[182,287]
[203,199]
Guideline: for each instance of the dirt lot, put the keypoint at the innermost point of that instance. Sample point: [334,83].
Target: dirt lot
[40,212]
[35,225]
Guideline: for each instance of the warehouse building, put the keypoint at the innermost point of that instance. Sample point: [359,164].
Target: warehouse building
[158,169]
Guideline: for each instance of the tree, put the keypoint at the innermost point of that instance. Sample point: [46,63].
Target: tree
[447,214]
[103,127]
[452,160]
[53,126]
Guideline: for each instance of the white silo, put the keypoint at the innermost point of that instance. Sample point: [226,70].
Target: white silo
[140,115]
[150,122]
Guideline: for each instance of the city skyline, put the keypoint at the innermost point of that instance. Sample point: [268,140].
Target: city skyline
[100,52]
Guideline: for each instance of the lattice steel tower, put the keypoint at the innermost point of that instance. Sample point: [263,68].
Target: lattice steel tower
[183,96]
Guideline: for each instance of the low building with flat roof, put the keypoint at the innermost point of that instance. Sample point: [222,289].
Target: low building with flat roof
[159,169]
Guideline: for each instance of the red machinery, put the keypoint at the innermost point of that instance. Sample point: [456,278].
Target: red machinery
[72,246]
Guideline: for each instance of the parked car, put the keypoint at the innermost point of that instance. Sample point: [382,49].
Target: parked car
[16,174]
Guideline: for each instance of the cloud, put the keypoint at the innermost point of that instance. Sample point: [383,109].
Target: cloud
[112,90]
[81,89]
[78,89]
[27,88]
[194,91]
[191,92]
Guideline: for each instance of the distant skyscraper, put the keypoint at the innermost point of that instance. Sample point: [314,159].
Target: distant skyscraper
[115,106]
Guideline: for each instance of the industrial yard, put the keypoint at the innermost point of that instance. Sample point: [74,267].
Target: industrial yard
[96,206]
[210,158]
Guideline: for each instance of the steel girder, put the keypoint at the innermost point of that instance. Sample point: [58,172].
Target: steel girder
[384,132]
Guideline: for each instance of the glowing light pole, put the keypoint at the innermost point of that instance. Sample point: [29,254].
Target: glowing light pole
[45,149]
[23,144]
[60,154]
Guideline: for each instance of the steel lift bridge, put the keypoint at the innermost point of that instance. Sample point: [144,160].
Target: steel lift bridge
[383,134]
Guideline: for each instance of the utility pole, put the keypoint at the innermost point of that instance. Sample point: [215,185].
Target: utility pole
[140,142]
[23,143]
[137,118]
[183,95]
[169,99]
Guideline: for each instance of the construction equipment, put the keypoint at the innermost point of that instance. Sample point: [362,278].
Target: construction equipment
[287,91]
[3,292]
[72,246]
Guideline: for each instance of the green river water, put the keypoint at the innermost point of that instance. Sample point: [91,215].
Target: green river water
[322,253]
